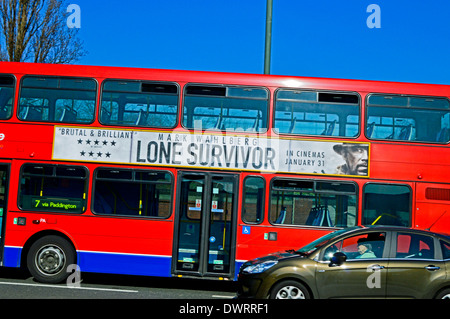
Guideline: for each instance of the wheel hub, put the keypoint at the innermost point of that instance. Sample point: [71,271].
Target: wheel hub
[50,260]
[290,292]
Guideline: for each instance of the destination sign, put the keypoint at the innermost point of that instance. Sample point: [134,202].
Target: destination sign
[58,204]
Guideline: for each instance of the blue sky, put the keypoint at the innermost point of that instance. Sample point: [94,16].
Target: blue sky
[319,38]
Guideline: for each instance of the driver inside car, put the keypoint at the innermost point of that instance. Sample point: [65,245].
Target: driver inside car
[365,251]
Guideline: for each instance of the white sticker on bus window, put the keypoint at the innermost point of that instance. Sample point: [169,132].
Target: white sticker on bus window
[215,191]
[199,189]
[214,207]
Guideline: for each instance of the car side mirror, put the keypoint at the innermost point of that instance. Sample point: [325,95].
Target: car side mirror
[338,259]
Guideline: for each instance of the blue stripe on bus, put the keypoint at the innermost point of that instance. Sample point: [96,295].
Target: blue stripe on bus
[125,264]
[11,256]
[112,263]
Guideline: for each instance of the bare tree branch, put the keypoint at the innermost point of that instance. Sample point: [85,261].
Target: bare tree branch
[37,31]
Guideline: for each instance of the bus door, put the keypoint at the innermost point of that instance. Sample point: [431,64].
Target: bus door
[204,243]
[4,173]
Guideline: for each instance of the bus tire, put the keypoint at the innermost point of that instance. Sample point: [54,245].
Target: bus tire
[289,289]
[48,259]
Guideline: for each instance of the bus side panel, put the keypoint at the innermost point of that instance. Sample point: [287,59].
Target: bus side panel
[13,247]
[433,207]
[126,264]
[4,185]
[103,244]
[11,256]
[27,142]
[257,240]
[408,163]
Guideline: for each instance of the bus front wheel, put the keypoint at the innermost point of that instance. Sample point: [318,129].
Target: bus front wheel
[48,259]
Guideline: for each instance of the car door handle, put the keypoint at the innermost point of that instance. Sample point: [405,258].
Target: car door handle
[376,267]
[432,267]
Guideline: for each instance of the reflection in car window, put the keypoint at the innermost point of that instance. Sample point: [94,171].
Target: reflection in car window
[445,250]
[313,246]
[414,246]
[365,246]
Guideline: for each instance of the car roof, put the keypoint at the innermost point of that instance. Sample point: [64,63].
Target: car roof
[363,229]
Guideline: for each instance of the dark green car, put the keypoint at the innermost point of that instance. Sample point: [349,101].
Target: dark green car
[362,262]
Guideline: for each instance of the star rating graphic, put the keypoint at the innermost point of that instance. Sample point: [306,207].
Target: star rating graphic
[97,148]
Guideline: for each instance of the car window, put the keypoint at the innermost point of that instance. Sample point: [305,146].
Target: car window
[365,246]
[445,250]
[415,246]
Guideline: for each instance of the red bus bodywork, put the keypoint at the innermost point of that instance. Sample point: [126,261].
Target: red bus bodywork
[139,246]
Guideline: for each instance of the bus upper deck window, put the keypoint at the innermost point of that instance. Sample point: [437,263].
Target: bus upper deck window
[225,108]
[316,113]
[57,99]
[408,118]
[139,103]
[6,96]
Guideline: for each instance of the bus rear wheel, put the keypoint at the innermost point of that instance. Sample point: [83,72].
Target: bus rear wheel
[48,259]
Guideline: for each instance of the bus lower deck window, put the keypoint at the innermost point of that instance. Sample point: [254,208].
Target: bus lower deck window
[53,188]
[139,193]
[313,203]
[253,201]
[386,205]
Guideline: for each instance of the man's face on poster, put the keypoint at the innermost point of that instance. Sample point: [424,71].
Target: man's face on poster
[356,158]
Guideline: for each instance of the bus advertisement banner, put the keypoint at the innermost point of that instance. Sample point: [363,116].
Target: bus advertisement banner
[211,150]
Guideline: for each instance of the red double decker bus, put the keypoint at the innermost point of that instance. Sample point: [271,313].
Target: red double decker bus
[182,173]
